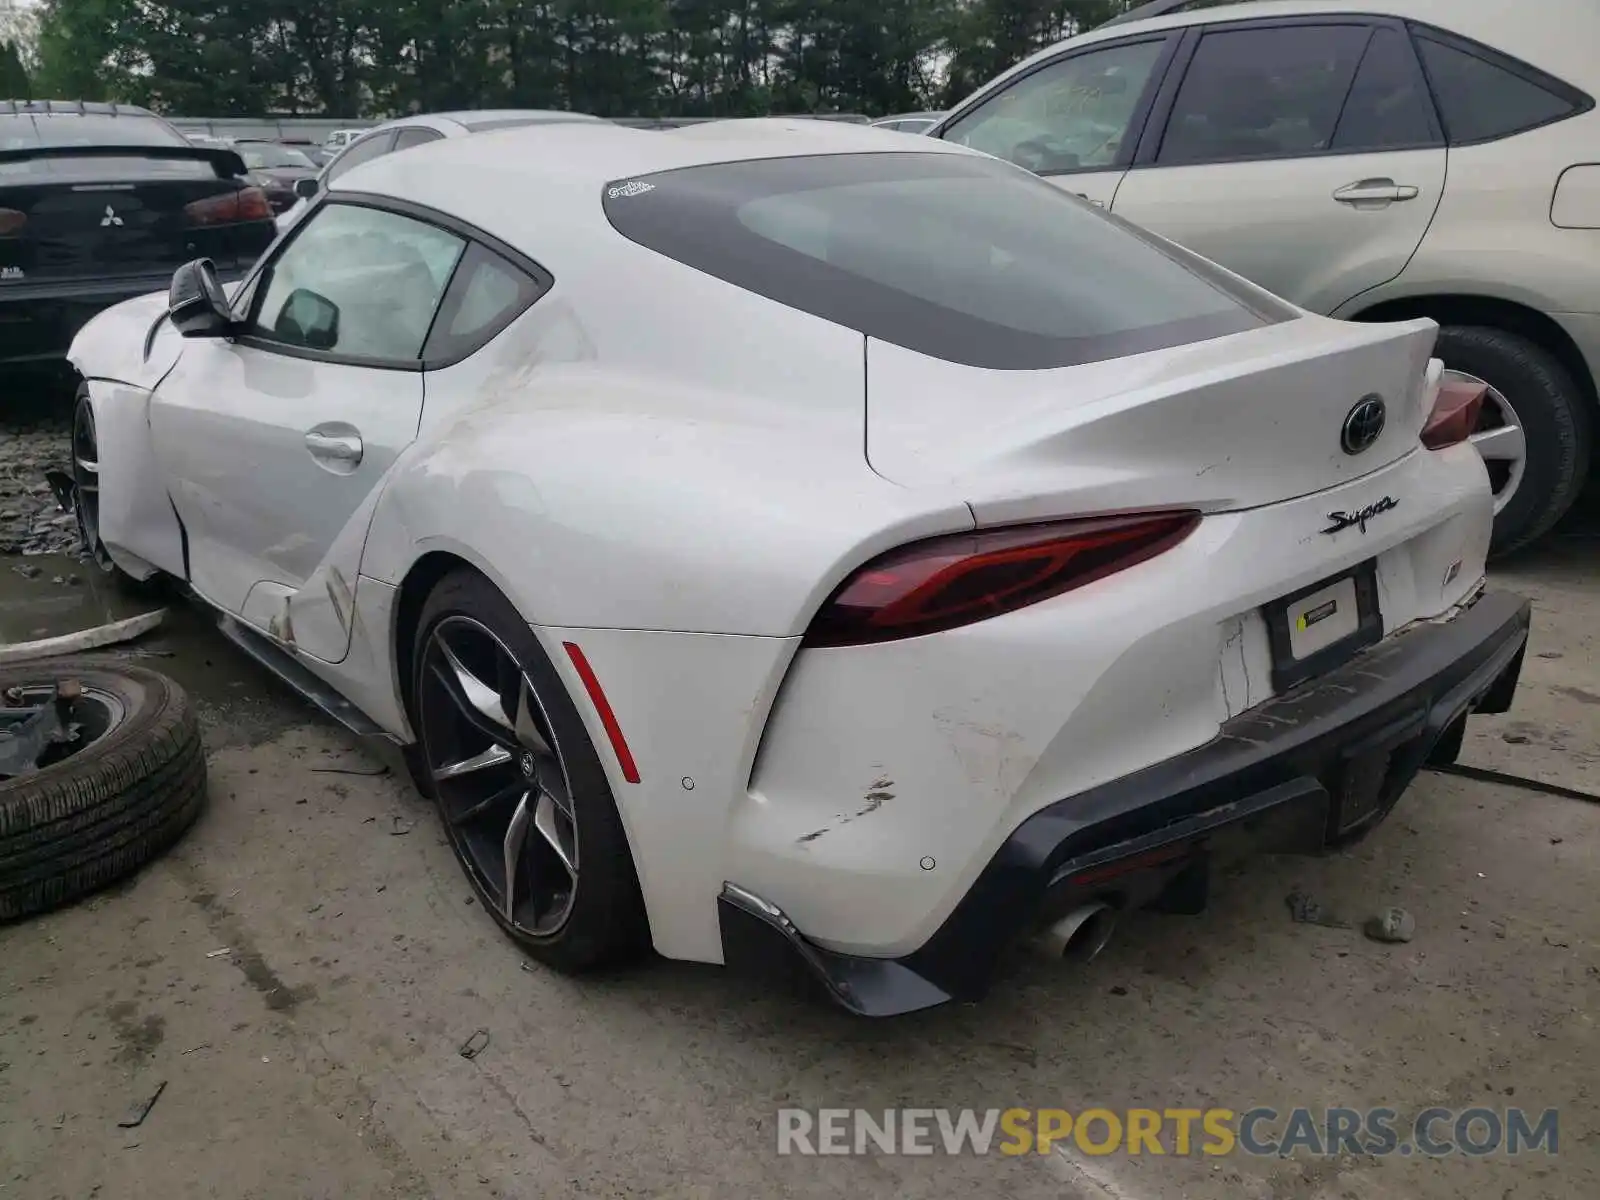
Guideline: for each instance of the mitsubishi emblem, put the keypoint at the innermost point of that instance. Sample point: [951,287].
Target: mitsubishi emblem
[110,218]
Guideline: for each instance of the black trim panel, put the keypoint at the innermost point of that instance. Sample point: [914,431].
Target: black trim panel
[1268,778]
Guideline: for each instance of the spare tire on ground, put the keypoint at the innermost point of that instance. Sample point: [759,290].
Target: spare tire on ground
[101,769]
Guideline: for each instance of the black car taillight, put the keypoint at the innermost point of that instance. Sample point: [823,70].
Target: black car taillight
[946,582]
[230,208]
[12,222]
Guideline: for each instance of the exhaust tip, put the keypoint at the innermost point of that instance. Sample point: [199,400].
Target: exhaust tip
[1080,935]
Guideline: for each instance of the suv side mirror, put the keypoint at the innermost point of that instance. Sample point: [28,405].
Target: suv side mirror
[197,304]
[307,189]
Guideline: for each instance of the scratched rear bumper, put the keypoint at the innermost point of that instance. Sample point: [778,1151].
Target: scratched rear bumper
[1323,762]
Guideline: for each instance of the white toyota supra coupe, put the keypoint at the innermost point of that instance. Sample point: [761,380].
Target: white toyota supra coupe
[792,547]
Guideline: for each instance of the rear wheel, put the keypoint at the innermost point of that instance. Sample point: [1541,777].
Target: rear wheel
[1536,432]
[519,786]
[86,502]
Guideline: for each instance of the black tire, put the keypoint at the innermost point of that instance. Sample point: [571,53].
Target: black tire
[153,588]
[1556,421]
[96,817]
[607,924]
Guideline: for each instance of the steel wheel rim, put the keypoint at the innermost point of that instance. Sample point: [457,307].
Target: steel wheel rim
[86,478]
[1500,439]
[98,714]
[499,775]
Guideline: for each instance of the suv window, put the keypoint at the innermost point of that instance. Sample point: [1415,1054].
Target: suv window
[1388,105]
[374,146]
[1262,93]
[1073,114]
[1479,101]
[955,256]
[357,282]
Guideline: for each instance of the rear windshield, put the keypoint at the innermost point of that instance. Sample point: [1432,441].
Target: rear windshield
[30,131]
[63,129]
[963,258]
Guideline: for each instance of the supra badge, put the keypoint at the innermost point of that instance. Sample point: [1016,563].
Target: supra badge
[1340,521]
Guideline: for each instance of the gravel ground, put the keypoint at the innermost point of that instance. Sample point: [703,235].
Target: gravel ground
[31,443]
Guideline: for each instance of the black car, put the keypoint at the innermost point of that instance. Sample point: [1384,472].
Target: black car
[102,202]
[275,168]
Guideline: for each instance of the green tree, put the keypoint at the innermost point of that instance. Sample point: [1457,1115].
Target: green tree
[350,58]
[14,82]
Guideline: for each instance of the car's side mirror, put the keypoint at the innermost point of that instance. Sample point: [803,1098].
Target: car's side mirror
[196,303]
[306,189]
[308,319]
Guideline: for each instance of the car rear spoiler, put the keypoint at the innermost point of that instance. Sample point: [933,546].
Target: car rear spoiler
[226,162]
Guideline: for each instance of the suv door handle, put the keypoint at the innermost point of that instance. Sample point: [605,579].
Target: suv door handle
[1376,191]
[336,445]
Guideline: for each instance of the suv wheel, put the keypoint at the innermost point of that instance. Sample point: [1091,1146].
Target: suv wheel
[1536,432]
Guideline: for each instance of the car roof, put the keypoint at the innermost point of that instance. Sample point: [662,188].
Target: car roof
[1560,39]
[485,179]
[598,152]
[472,118]
[533,116]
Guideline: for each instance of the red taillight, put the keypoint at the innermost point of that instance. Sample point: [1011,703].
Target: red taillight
[1455,413]
[949,581]
[247,204]
[11,221]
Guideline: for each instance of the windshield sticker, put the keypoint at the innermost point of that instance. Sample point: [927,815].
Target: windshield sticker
[634,188]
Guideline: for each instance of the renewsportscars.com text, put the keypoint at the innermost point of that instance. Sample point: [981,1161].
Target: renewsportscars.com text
[1213,1132]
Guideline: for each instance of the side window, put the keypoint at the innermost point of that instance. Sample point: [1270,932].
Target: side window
[1262,93]
[1071,115]
[358,282]
[1479,100]
[416,136]
[1388,105]
[487,294]
[363,151]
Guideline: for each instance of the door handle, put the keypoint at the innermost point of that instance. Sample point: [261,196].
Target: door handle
[1090,199]
[1376,191]
[335,444]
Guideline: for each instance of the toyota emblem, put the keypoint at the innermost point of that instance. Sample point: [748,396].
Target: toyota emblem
[1363,426]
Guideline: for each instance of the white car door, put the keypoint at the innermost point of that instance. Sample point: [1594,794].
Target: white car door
[271,439]
[1303,154]
[1075,119]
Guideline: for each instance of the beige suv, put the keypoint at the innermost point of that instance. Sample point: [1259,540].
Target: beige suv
[1373,160]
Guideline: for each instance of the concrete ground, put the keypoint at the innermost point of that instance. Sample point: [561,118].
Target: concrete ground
[301,971]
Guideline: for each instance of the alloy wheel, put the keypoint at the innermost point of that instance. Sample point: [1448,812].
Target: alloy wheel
[1500,440]
[499,775]
[86,478]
